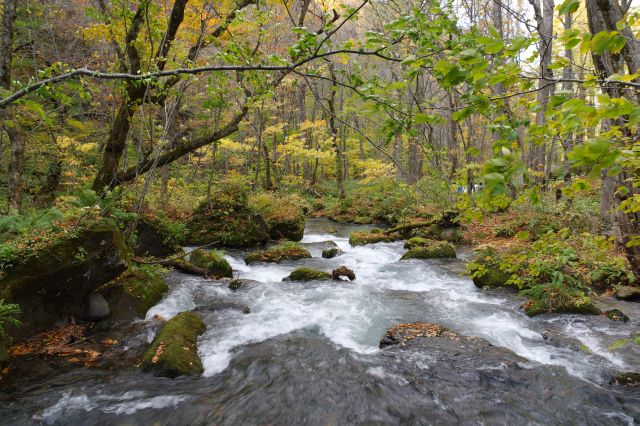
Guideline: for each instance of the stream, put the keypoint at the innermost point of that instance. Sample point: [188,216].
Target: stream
[308,353]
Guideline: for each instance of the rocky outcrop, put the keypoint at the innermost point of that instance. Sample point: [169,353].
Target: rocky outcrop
[174,350]
[52,281]
[276,254]
[431,249]
[308,274]
[213,262]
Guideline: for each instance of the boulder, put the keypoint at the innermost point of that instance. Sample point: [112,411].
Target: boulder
[213,262]
[153,239]
[174,351]
[431,250]
[332,252]
[551,299]
[626,379]
[239,282]
[343,271]
[360,238]
[96,307]
[228,222]
[276,254]
[308,274]
[51,280]
[485,269]
[628,293]
[616,315]
[136,291]
[436,231]
[283,214]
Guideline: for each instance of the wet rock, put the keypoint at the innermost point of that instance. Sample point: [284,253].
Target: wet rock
[626,379]
[246,310]
[52,282]
[402,333]
[431,250]
[616,315]
[238,283]
[174,352]
[343,271]
[485,269]
[96,308]
[362,238]
[154,239]
[308,274]
[628,293]
[133,293]
[332,252]
[211,261]
[276,254]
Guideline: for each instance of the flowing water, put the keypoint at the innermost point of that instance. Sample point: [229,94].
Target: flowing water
[308,353]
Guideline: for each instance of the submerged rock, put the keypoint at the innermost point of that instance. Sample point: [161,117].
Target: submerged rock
[173,352]
[52,282]
[308,274]
[628,293]
[237,283]
[343,271]
[431,250]
[361,238]
[211,261]
[276,254]
[332,252]
[616,315]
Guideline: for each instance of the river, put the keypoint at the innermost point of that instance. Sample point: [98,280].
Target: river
[308,353]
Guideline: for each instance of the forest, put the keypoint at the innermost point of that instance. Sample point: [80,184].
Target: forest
[319,212]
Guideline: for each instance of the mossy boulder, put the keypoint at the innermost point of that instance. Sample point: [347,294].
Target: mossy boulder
[616,315]
[276,254]
[416,242]
[308,274]
[551,299]
[136,291]
[628,293]
[360,238]
[626,379]
[211,261]
[485,269]
[431,250]
[436,231]
[51,278]
[227,221]
[174,350]
[332,252]
[155,238]
[283,214]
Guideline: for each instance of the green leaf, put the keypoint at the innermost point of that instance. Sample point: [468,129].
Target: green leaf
[568,6]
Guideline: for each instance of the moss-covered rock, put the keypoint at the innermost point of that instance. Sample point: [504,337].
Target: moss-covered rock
[431,250]
[616,315]
[360,238]
[155,238]
[436,231]
[174,350]
[276,254]
[332,252]
[626,379]
[485,269]
[136,291]
[550,299]
[308,274]
[227,220]
[211,261]
[416,242]
[283,214]
[51,278]
[628,293]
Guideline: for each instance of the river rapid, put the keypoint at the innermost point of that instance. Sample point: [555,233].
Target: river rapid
[308,353]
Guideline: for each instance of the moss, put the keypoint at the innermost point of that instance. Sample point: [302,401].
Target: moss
[485,269]
[174,352]
[616,315]
[146,285]
[416,242]
[558,299]
[432,250]
[361,238]
[628,293]
[438,232]
[331,252]
[308,274]
[212,261]
[276,254]
[283,214]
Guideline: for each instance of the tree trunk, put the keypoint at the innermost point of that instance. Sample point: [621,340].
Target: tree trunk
[14,186]
[9,16]
[334,132]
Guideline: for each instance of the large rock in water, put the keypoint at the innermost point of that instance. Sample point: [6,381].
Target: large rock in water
[174,352]
[51,282]
[153,239]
